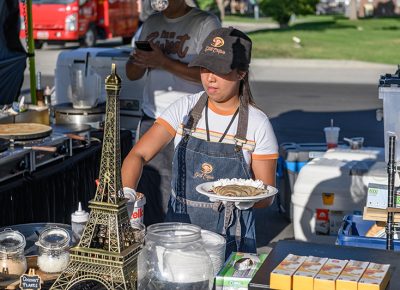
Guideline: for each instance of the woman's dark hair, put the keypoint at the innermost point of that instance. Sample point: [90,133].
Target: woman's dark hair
[244,89]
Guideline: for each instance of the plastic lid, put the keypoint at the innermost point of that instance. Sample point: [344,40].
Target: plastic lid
[79,216]
[54,238]
[11,241]
[213,241]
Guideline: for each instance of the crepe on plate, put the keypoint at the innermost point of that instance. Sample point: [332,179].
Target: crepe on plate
[236,190]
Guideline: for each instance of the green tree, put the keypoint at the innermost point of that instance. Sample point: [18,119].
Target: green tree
[282,10]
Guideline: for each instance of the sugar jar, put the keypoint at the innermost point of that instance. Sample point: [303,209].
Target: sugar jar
[53,247]
[174,258]
[12,258]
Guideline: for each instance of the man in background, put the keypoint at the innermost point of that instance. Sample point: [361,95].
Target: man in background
[175,35]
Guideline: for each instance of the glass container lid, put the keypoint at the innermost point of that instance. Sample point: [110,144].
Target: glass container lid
[54,238]
[174,232]
[11,241]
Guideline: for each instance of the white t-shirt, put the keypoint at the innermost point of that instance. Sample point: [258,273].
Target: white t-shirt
[181,39]
[261,141]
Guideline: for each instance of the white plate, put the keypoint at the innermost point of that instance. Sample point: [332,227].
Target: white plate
[242,202]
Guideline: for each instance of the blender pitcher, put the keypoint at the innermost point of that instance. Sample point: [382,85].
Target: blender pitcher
[85,87]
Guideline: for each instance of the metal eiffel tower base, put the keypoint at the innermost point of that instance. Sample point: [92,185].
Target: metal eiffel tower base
[86,265]
[97,258]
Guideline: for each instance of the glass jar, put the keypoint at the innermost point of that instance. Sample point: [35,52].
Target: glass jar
[174,258]
[53,249]
[12,258]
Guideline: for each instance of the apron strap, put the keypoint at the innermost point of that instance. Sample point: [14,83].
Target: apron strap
[241,132]
[195,114]
[230,210]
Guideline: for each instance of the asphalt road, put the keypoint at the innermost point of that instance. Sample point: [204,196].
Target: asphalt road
[299,103]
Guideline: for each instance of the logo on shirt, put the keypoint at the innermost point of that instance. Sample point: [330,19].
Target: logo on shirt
[217,42]
[206,169]
[169,42]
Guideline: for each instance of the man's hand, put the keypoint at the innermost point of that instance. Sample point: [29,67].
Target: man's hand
[140,60]
[149,59]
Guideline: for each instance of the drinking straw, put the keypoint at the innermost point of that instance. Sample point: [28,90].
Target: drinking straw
[86,63]
[331,123]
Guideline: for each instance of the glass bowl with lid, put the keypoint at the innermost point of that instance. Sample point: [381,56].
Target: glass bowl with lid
[53,248]
[12,258]
[174,257]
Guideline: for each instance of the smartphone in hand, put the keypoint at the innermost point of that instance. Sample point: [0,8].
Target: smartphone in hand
[143,45]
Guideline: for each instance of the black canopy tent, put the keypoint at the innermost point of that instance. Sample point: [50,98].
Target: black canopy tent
[12,54]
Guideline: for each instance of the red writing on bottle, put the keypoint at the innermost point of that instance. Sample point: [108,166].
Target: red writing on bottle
[137,214]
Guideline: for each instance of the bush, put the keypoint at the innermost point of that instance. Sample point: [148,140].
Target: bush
[282,10]
[207,5]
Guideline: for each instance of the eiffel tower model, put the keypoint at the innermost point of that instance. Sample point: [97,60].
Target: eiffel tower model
[107,252]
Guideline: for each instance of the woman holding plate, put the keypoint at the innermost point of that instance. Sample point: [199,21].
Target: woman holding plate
[218,134]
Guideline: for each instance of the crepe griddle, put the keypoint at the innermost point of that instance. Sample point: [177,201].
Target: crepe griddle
[71,128]
[24,131]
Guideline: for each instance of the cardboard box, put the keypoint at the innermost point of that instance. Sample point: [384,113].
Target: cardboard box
[281,276]
[238,270]
[376,277]
[351,274]
[304,276]
[326,278]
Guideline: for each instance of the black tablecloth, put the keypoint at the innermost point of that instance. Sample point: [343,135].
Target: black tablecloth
[283,248]
[52,193]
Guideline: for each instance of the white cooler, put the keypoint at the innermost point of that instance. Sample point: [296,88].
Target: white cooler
[331,186]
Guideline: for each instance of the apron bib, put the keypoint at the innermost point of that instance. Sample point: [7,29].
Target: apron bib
[197,161]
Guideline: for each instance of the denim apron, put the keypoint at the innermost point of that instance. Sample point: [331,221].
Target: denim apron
[197,161]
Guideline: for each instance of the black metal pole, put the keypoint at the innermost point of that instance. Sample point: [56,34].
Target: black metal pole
[391,169]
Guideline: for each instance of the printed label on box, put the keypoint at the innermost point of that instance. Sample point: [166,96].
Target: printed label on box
[238,270]
[281,276]
[322,221]
[289,265]
[332,269]
[311,266]
[375,274]
[353,271]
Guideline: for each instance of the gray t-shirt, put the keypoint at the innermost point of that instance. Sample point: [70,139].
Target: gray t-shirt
[180,38]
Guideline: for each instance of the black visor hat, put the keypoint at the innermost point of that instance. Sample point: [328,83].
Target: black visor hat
[224,50]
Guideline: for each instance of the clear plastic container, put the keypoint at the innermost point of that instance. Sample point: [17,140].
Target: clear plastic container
[214,245]
[85,86]
[79,219]
[174,258]
[53,247]
[12,258]
[391,117]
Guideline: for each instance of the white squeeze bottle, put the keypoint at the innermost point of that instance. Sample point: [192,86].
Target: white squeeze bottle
[79,219]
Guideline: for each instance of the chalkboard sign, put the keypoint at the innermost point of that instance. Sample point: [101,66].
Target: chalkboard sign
[30,281]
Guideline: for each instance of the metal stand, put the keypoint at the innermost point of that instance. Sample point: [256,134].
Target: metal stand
[391,193]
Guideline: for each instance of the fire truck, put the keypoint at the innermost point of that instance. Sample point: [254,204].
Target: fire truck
[86,21]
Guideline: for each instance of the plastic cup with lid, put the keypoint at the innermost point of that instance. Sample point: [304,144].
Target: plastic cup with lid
[332,136]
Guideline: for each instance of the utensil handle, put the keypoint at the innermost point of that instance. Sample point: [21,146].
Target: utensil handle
[75,137]
[43,148]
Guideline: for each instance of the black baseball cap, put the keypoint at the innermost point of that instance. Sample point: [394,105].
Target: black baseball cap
[224,50]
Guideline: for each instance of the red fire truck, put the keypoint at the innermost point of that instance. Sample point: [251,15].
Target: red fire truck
[86,21]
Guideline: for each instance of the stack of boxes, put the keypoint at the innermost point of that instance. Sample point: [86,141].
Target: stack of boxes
[315,273]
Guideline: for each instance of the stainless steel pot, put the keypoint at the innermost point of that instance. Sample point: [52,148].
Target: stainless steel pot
[66,114]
